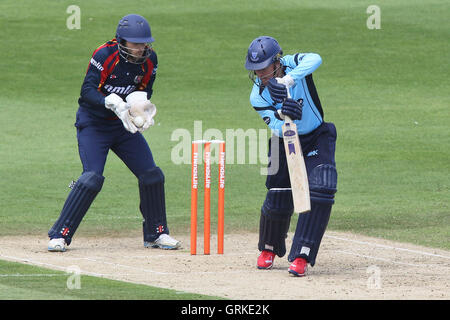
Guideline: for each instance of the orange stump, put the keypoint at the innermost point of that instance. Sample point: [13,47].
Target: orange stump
[194,192]
[221,199]
[207,195]
[207,199]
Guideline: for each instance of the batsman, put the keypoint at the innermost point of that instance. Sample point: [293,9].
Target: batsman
[114,110]
[284,86]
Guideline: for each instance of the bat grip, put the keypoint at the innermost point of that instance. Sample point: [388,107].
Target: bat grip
[287,118]
[287,88]
[287,92]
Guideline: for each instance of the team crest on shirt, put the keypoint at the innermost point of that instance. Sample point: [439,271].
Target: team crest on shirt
[138,79]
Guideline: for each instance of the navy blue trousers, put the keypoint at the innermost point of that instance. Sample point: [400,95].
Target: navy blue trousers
[319,153]
[318,148]
[97,136]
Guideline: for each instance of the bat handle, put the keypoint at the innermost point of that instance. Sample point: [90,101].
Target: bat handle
[287,88]
[288,93]
[287,119]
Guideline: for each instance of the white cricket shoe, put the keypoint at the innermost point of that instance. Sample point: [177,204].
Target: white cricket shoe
[164,241]
[57,245]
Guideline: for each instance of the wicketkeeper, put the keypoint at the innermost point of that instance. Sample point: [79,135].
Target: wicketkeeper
[273,74]
[114,109]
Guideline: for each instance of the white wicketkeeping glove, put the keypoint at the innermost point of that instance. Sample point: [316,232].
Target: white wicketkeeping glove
[142,110]
[120,108]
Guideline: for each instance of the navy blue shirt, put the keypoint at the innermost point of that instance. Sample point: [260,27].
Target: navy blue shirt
[109,73]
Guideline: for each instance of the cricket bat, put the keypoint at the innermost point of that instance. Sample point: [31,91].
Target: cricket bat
[296,166]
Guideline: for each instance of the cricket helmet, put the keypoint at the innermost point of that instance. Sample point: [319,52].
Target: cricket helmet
[262,52]
[134,28]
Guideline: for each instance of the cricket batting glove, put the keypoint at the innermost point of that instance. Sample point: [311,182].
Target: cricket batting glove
[292,109]
[120,108]
[278,88]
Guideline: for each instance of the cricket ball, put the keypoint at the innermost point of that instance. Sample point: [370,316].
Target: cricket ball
[138,121]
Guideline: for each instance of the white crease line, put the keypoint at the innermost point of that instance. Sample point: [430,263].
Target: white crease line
[125,266]
[120,275]
[386,260]
[161,273]
[52,266]
[174,254]
[169,273]
[388,247]
[34,262]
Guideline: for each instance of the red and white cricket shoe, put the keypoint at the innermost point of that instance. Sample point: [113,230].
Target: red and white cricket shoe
[298,267]
[265,259]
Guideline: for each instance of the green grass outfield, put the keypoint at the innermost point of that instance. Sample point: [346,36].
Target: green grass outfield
[386,90]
